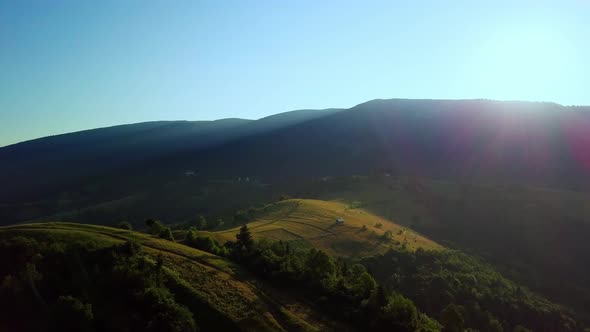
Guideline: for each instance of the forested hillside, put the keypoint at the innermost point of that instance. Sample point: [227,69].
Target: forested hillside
[506,182]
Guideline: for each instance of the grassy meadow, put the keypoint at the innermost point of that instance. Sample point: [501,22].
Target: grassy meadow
[312,223]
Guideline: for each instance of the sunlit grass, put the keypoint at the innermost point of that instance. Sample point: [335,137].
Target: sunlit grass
[314,222]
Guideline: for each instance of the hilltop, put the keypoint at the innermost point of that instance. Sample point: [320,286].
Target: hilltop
[314,223]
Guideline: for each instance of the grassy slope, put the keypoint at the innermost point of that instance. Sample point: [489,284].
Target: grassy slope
[226,289]
[533,235]
[312,223]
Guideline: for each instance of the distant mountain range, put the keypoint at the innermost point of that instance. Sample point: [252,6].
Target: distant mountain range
[42,165]
[542,144]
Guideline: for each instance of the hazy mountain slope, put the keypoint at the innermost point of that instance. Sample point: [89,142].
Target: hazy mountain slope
[532,143]
[31,168]
[35,169]
[473,140]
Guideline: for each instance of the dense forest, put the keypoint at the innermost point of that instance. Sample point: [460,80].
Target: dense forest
[87,289]
[462,292]
[386,291]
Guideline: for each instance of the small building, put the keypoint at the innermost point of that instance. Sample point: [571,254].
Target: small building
[339,221]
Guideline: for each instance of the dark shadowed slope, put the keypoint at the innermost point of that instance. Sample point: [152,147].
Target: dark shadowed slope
[532,143]
[34,169]
[541,144]
[30,168]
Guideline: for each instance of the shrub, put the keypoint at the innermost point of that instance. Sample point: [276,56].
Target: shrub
[125,225]
[320,267]
[388,235]
[129,248]
[165,313]
[155,227]
[452,318]
[360,281]
[402,313]
[166,234]
[71,314]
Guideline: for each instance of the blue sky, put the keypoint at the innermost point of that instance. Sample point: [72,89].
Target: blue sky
[72,65]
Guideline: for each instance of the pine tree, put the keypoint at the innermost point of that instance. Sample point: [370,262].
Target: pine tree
[244,238]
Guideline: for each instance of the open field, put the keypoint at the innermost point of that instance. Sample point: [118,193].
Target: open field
[313,223]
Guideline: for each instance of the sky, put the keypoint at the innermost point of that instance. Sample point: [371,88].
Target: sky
[73,65]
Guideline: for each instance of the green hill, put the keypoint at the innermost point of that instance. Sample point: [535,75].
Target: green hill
[85,277]
[431,275]
[313,223]
[534,235]
[219,293]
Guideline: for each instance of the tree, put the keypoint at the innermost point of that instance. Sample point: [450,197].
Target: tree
[401,313]
[191,237]
[388,235]
[150,222]
[244,216]
[452,318]
[130,247]
[427,324]
[201,222]
[125,225]
[165,313]
[320,268]
[244,238]
[166,234]
[494,326]
[155,227]
[379,297]
[361,282]
[70,314]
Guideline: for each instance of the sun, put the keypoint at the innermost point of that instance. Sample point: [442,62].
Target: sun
[522,62]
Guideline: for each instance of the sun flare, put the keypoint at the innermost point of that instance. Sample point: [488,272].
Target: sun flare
[524,62]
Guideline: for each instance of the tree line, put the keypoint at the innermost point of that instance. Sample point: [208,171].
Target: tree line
[61,286]
[456,292]
[344,291]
